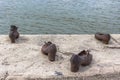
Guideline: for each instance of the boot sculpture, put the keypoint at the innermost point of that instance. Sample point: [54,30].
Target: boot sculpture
[85,57]
[14,34]
[49,49]
[75,63]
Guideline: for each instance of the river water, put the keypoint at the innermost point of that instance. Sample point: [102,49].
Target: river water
[60,16]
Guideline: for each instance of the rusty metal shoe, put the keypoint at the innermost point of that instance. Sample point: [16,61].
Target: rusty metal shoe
[105,38]
[52,52]
[85,58]
[49,49]
[75,63]
[13,34]
[44,47]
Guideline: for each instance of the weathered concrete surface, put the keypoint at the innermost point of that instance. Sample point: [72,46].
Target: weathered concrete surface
[24,60]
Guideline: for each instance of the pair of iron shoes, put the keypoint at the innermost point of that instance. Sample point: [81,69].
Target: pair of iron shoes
[83,58]
[49,49]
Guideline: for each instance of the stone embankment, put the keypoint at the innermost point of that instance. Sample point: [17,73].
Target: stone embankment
[24,60]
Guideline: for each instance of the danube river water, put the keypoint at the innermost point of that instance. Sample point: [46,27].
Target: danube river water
[60,16]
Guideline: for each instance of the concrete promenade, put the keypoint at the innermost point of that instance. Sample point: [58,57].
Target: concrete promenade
[24,60]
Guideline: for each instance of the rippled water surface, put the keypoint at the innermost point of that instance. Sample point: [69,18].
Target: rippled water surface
[60,16]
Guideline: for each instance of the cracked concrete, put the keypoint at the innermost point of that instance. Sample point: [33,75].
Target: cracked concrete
[24,60]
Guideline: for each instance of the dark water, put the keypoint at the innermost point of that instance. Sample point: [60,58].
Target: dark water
[60,16]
